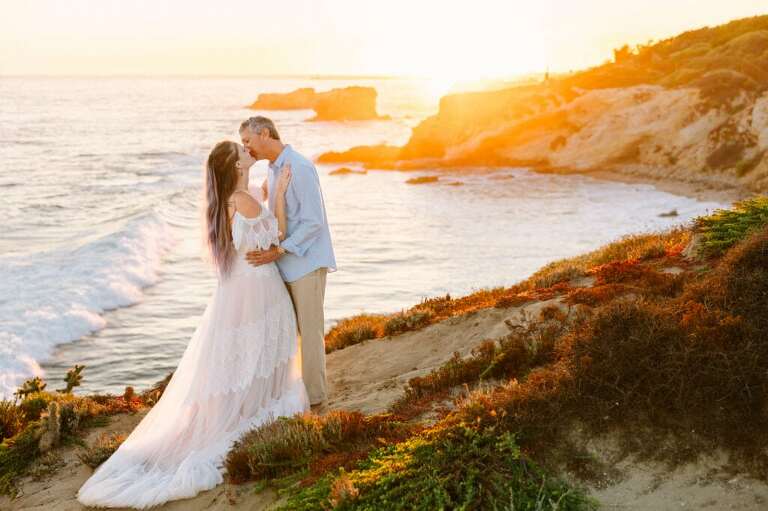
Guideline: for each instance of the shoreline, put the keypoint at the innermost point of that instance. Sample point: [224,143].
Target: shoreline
[701,191]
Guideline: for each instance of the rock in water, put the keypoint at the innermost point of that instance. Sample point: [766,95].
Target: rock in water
[347,104]
[300,99]
[342,171]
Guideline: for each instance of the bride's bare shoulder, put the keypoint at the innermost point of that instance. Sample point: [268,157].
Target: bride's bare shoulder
[246,204]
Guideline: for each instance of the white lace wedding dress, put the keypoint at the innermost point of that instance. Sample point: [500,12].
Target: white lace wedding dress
[242,368]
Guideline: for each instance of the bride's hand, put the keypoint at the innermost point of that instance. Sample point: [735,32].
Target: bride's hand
[284,180]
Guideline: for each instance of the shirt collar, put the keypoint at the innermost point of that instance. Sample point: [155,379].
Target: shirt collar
[280,161]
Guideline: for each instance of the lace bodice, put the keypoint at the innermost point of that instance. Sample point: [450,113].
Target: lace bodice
[256,233]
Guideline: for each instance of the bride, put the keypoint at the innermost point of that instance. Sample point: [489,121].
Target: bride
[242,367]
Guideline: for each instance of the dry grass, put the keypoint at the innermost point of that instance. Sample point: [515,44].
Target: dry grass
[642,247]
[102,448]
[354,330]
[373,326]
[550,281]
[291,444]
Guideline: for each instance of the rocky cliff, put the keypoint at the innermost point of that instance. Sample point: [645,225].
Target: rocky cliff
[346,104]
[693,108]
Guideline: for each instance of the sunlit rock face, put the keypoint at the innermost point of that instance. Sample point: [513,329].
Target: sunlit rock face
[644,130]
[300,99]
[687,107]
[346,104]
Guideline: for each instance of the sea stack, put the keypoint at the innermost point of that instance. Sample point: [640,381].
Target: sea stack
[347,104]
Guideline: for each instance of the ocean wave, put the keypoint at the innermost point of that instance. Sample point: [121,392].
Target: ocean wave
[54,297]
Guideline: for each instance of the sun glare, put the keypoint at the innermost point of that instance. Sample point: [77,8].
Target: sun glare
[437,87]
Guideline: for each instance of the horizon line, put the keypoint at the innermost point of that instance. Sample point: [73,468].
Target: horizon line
[311,76]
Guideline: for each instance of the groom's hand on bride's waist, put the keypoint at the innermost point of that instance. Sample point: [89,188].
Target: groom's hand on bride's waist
[259,257]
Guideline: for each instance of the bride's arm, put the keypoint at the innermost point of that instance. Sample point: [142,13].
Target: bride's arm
[282,186]
[264,190]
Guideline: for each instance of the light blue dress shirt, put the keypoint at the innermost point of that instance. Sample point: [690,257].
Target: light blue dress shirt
[307,238]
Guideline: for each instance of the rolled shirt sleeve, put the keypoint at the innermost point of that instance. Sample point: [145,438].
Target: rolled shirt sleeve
[306,191]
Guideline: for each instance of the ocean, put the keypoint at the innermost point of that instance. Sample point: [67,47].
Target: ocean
[101,255]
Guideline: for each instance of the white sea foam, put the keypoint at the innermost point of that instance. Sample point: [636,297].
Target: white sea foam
[58,296]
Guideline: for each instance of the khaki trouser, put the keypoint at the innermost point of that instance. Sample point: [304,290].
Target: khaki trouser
[308,294]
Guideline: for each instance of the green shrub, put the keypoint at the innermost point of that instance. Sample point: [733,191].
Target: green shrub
[12,419]
[460,468]
[16,455]
[73,379]
[34,405]
[726,227]
[33,386]
[407,321]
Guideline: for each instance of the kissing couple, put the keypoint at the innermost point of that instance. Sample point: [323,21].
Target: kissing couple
[245,365]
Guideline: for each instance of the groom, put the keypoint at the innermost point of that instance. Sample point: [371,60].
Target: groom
[305,255]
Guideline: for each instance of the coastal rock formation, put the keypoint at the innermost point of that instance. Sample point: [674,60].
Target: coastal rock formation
[344,171]
[423,180]
[346,104]
[692,108]
[300,99]
[374,156]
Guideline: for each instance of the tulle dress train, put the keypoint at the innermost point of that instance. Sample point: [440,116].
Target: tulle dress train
[241,369]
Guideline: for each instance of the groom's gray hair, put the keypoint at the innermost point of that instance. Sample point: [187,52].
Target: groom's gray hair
[258,123]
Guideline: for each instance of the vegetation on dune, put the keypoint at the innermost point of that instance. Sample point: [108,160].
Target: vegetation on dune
[362,327]
[673,368]
[546,283]
[38,421]
[727,227]
[689,365]
[642,247]
[670,364]
[720,61]
[292,444]
[101,449]
[458,468]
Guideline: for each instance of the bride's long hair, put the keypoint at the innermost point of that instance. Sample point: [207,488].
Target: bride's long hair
[220,182]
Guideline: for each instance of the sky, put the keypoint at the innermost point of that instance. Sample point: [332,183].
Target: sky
[453,40]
